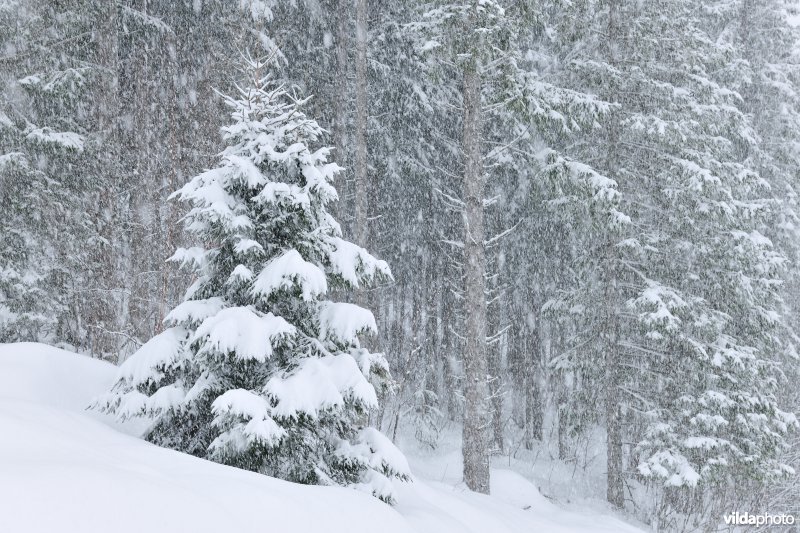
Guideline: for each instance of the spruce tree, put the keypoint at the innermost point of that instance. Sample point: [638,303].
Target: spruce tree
[59,99]
[682,292]
[24,311]
[508,117]
[44,142]
[766,75]
[257,368]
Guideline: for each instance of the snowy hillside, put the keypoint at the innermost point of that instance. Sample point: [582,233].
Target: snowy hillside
[64,469]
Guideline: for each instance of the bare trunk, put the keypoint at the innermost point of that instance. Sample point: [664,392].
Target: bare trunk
[496,395]
[516,355]
[361,185]
[342,105]
[340,120]
[610,343]
[614,453]
[170,184]
[495,350]
[476,390]
[102,315]
[494,360]
[534,412]
[563,427]
[614,489]
[451,345]
[428,326]
[560,385]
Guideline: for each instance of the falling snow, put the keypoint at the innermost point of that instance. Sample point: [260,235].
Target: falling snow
[512,266]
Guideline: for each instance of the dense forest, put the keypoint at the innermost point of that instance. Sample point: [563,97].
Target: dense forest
[587,210]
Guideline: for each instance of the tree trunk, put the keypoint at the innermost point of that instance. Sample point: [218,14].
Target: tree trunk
[611,345]
[615,483]
[614,489]
[563,427]
[361,185]
[170,183]
[340,120]
[534,412]
[429,338]
[476,390]
[495,322]
[561,381]
[103,313]
[496,395]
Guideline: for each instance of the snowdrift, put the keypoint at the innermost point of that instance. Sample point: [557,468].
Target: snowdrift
[67,470]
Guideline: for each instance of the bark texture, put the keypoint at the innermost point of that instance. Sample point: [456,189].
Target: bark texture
[476,390]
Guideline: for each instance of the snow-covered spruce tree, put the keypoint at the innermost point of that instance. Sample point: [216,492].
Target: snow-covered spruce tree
[59,103]
[506,108]
[684,297]
[768,77]
[257,369]
[43,135]
[714,313]
[728,208]
[27,312]
[463,33]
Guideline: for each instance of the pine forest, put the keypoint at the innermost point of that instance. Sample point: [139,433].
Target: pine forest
[546,251]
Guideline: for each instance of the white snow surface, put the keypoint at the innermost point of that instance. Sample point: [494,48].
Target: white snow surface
[290,269]
[159,351]
[345,321]
[243,331]
[194,311]
[67,470]
[320,383]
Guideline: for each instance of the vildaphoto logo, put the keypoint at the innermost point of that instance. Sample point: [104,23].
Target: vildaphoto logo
[747,519]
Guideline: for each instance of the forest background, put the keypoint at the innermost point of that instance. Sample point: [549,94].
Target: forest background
[589,208]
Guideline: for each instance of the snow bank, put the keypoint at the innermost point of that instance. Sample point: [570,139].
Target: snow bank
[515,504]
[62,470]
[40,374]
[67,470]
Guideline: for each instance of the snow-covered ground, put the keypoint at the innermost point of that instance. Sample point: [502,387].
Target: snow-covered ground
[64,469]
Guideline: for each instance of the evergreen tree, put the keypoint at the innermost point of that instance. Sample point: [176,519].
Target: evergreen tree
[257,369]
[470,42]
[24,311]
[766,76]
[46,144]
[682,291]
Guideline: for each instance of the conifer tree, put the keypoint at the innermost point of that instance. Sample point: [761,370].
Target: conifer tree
[471,37]
[45,139]
[684,292]
[257,368]
[24,311]
[506,111]
[766,76]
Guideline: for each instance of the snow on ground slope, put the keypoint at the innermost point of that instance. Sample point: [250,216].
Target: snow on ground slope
[65,470]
